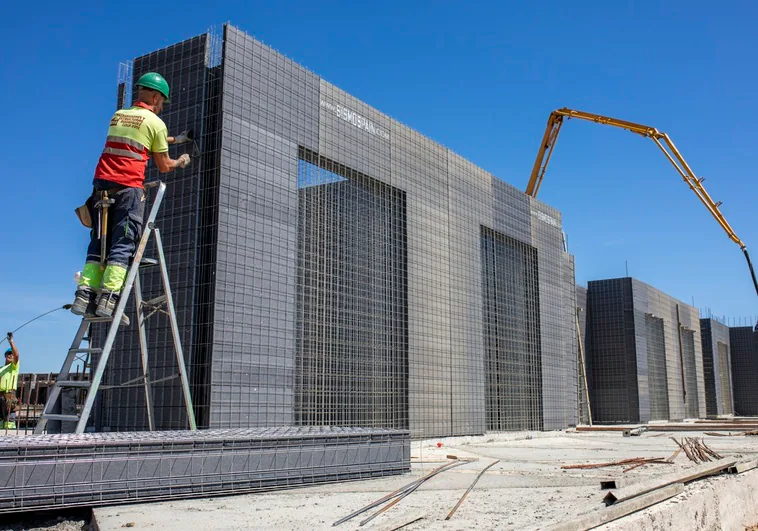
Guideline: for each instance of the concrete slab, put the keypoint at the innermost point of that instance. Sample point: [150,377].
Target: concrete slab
[526,490]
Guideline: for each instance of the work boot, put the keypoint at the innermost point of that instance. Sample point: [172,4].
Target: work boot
[107,303]
[85,302]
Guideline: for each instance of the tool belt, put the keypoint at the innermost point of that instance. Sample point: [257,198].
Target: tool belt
[11,402]
[86,211]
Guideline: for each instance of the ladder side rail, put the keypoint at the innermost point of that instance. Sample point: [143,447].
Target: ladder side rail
[175,332]
[55,391]
[143,350]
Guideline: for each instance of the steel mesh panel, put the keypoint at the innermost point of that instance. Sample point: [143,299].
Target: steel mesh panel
[725,379]
[352,323]
[690,376]
[581,309]
[717,367]
[512,336]
[743,341]
[710,361]
[636,367]
[611,351]
[62,471]
[656,362]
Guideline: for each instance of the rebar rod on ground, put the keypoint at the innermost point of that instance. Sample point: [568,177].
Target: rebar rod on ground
[452,511]
[410,491]
[398,492]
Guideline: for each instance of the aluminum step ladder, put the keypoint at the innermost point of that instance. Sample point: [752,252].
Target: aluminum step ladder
[145,309]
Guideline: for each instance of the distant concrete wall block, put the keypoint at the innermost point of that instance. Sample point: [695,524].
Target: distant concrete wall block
[638,370]
[743,341]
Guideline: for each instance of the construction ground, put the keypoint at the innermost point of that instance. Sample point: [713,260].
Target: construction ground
[526,489]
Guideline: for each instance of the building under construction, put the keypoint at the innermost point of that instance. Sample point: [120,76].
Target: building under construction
[644,355]
[331,266]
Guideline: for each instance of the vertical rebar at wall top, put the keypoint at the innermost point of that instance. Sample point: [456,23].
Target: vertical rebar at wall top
[125,77]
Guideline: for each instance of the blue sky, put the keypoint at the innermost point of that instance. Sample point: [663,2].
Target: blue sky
[479,77]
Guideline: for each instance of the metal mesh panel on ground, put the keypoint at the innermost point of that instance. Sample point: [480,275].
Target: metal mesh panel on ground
[743,341]
[63,471]
[336,260]
[512,338]
[656,365]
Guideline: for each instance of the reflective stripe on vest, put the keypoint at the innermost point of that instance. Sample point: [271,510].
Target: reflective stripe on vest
[122,153]
[125,140]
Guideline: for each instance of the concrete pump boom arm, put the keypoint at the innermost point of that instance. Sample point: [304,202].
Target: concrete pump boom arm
[663,141]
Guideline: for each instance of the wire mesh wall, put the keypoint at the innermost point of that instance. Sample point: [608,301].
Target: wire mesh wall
[582,379]
[352,302]
[656,366]
[743,342]
[638,371]
[690,377]
[512,334]
[725,379]
[327,263]
[716,367]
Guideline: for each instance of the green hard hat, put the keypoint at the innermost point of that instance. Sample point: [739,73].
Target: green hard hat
[154,81]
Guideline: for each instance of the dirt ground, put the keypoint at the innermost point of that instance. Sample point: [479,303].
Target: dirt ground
[527,489]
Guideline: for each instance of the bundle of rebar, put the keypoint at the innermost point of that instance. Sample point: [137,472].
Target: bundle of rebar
[696,450]
[634,461]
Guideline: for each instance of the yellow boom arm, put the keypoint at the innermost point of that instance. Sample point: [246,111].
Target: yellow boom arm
[663,141]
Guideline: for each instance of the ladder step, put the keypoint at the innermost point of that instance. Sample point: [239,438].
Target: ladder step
[73,383]
[124,320]
[148,262]
[86,350]
[56,416]
[95,319]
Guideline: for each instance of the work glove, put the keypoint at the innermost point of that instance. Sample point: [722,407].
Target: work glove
[183,161]
[183,137]
[10,336]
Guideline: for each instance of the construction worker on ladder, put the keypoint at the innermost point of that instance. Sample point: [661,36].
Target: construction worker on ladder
[8,384]
[118,200]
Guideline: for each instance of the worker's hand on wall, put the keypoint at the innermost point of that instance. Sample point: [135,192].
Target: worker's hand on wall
[183,161]
[183,137]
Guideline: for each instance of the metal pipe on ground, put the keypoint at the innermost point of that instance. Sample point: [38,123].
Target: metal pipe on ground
[478,477]
[707,469]
[410,491]
[399,491]
[609,514]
